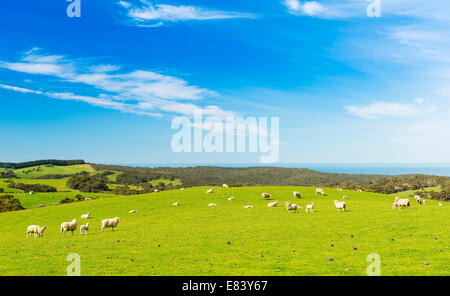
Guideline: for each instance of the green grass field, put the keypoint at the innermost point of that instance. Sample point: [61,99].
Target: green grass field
[52,170]
[194,239]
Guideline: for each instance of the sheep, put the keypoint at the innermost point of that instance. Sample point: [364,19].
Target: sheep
[266,195]
[339,189]
[110,223]
[292,207]
[88,198]
[36,229]
[400,203]
[320,191]
[84,228]
[231,198]
[181,189]
[424,201]
[340,205]
[225,186]
[212,205]
[273,204]
[440,204]
[248,207]
[156,190]
[68,226]
[133,211]
[309,208]
[344,197]
[297,194]
[359,190]
[420,200]
[86,216]
[176,204]
[210,190]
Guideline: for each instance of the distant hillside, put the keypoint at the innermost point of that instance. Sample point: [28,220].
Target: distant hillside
[27,164]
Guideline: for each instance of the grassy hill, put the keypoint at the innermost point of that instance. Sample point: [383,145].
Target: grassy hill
[39,171]
[195,239]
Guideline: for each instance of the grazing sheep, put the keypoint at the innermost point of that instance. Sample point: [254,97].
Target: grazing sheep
[420,200]
[176,204]
[88,198]
[400,203]
[68,226]
[110,223]
[292,207]
[212,205]
[225,186]
[297,194]
[359,190]
[266,195]
[181,189]
[424,201]
[310,208]
[320,191]
[248,207]
[339,189]
[273,204]
[86,216]
[36,230]
[156,190]
[231,198]
[210,190]
[133,211]
[344,197]
[340,205]
[84,228]
[440,204]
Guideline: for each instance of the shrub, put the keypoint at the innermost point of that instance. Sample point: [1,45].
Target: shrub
[9,203]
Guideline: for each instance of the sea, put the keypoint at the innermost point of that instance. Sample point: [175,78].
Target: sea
[377,169]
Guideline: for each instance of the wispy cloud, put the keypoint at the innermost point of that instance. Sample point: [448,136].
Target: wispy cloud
[154,15]
[392,109]
[140,91]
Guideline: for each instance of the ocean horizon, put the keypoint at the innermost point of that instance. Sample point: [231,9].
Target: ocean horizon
[369,169]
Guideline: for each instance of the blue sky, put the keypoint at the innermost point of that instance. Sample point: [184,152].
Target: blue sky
[104,87]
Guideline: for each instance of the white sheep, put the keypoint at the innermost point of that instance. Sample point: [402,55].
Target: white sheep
[225,186]
[248,207]
[181,189]
[36,230]
[320,191]
[212,205]
[176,204]
[339,189]
[273,204]
[156,190]
[344,197]
[68,226]
[440,204]
[292,207]
[231,198]
[309,208]
[340,205]
[420,200]
[359,190]
[84,228]
[424,201]
[86,216]
[210,190]
[110,223]
[400,203]
[133,211]
[88,198]
[297,194]
[266,195]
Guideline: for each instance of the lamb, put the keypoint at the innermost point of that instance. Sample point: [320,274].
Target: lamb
[68,226]
[225,186]
[248,207]
[176,204]
[212,205]
[310,208]
[320,191]
[210,190]
[292,207]
[400,203]
[297,194]
[273,204]
[266,195]
[36,229]
[86,216]
[340,205]
[231,198]
[110,223]
[84,228]
[133,211]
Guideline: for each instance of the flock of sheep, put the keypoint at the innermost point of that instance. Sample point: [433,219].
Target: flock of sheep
[291,207]
[72,226]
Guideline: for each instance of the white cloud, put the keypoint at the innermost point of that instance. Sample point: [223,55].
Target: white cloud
[140,91]
[154,15]
[391,109]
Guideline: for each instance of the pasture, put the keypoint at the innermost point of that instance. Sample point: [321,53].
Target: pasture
[194,239]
